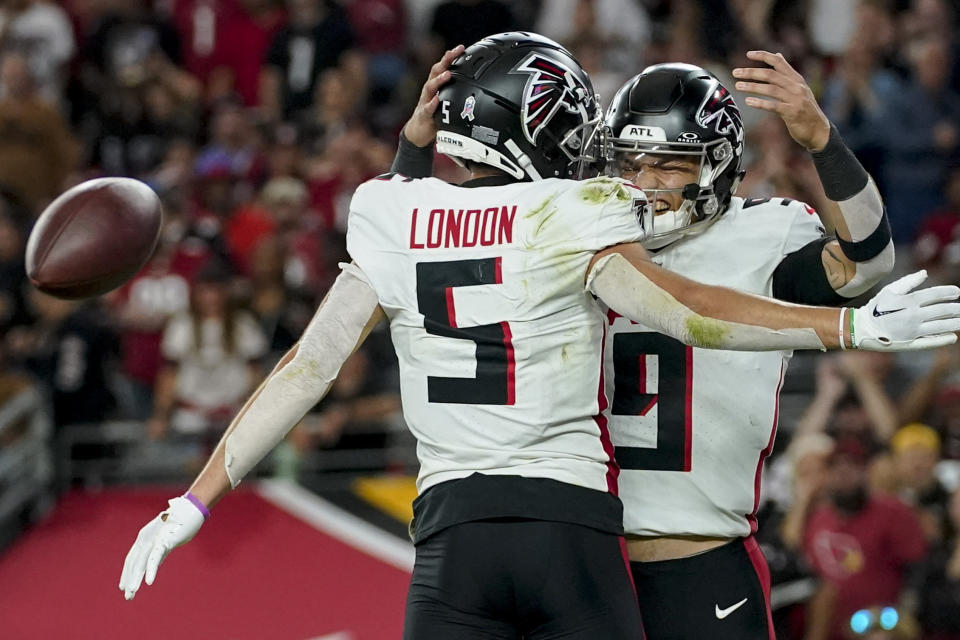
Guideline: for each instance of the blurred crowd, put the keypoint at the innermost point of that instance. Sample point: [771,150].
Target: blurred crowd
[254,120]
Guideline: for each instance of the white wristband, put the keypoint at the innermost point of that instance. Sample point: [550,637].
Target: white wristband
[843,315]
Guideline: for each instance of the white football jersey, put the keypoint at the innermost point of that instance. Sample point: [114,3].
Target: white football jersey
[499,343]
[691,426]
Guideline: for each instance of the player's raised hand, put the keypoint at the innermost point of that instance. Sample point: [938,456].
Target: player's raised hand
[901,319]
[172,528]
[420,129]
[790,98]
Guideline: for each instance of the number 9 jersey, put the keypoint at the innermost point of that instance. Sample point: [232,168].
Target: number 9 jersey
[691,427]
[498,341]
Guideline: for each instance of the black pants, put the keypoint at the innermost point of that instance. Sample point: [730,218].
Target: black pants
[722,594]
[513,579]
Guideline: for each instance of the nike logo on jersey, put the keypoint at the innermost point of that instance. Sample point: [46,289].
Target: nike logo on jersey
[723,613]
[877,313]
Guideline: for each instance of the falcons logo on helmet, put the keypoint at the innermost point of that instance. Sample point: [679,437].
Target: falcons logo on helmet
[551,86]
[720,111]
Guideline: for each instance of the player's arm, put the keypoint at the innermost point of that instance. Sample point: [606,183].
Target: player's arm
[898,318]
[344,319]
[415,152]
[300,380]
[862,253]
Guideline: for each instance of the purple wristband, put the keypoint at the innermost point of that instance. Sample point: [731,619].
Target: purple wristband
[199,505]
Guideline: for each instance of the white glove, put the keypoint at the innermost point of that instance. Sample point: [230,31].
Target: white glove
[172,528]
[900,319]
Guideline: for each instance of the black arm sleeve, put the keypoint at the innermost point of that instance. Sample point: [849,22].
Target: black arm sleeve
[871,246]
[413,161]
[840,172]
[800,277]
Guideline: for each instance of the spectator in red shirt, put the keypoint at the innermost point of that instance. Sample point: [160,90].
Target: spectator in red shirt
[860,545]
[200,26]
[349,158]
[381,30]
[223,43]
[245,230]
[242,44]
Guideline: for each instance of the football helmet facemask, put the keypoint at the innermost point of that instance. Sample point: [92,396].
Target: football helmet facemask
[521,103]
[679,110]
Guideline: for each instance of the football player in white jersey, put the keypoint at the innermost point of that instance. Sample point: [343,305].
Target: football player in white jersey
[692,427]
[489,290]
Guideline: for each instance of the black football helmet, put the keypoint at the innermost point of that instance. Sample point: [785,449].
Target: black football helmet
[521,103]
[679,109]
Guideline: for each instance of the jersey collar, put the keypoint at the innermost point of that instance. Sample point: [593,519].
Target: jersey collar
[489,181]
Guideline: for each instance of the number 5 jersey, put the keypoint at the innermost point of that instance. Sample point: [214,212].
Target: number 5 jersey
[499,343]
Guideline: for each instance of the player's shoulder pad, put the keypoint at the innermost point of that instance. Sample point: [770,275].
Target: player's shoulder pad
[776,205]
[614,196]
[605,210]
[383,179]
[371,188]
[393,176]
[779,210]
[603,189]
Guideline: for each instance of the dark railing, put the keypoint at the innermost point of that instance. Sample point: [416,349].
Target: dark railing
[26,466]
[118,452]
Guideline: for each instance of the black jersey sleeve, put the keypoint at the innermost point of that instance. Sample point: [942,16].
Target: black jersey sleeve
[800,277]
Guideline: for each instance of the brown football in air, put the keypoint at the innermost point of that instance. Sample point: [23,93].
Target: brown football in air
[93,238]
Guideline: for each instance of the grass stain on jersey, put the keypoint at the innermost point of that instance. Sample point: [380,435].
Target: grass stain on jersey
[708,333]
[540,208]
[545,210]
[600,190]
[547,246]
[544,219]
